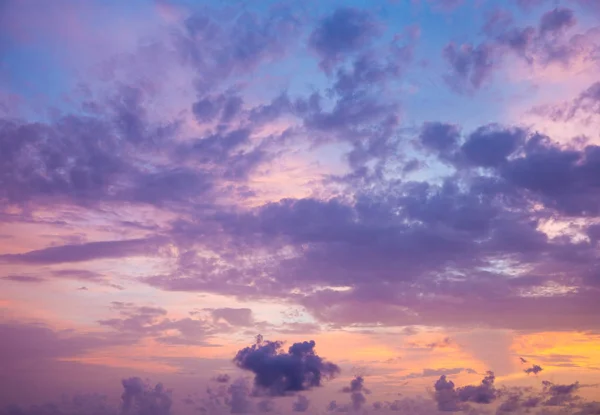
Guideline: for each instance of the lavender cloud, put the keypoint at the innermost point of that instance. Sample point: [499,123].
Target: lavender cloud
[140,398]
[344,32]
[301,404]
[84,252]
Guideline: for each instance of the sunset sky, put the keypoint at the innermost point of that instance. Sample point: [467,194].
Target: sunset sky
[394,194]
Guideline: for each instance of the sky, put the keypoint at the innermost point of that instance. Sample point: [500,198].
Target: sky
[299,206]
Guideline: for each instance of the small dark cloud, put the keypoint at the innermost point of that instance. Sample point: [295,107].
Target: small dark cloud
[535,369]
[357,392]
[278,372]
[24,278]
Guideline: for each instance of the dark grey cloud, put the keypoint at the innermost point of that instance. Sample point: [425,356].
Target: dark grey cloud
[280,373]
[535,369]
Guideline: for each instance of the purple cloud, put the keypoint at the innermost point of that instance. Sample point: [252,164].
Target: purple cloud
[557,20]
[139,398]
[280,373]
[451,399]
[535,369]
[301,404]
[84,252]
[471,66]
[23,278]
[342,33]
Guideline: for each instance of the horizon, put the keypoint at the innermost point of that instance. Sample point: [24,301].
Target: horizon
[287,206]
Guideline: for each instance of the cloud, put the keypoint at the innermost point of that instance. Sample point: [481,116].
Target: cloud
[342,33]
[471,66]
[38,343]
[222,378]
[489,146]
[280,373]
[144,321]
[557,394]
[79,404]
[442,344]
[140,398]
[301,404]
[357,392]
[84,252]
[220,45]
[535,369]
[234,316]
[451,399]
[23,278]
[557,20]
[439,137]
[549,44]
[587,103]
[426,373]
[406,233]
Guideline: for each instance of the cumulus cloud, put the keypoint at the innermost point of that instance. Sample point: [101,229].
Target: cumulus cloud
[279,372]
[451,399]
[357,393]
